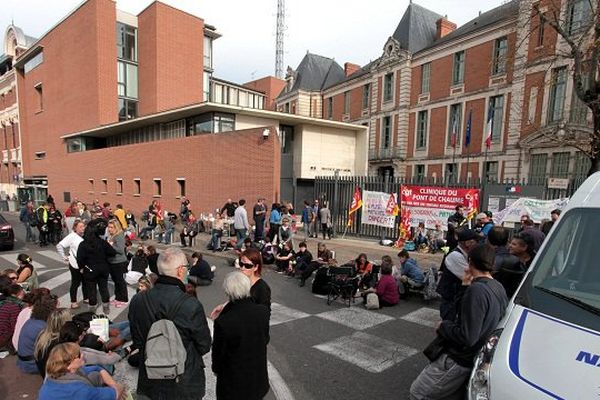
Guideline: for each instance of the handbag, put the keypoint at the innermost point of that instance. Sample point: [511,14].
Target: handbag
[99,327]
[372,302]
[434,350]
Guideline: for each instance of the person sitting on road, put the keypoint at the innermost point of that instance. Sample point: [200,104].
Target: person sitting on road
[411,275]
[268,251]
[139,264]
[69,379]
[31,330]
[363,270]
[152,257]
[323,258]
[436,239]
[92,348]
[29,299]
[144,283]
[201,273]
[49,337]
[420,236]
[25,272]
[386,288]
[284,258]
[11,305]
[285,233]
[303,258]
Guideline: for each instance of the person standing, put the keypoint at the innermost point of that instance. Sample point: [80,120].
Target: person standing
[240,223]
[315,219]
[228,208]
[455,222]
[534,233]
[259,213]
[453,270]
[67,249]
[307,219]
[239,350]
[168,297]
[118,262]
[522,247]
[119,214]
[482,305]
[325,218]
[274,221]
[92,258]
[28,217]
[42,224]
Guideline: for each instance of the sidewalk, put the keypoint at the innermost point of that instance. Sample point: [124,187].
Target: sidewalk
[345,249]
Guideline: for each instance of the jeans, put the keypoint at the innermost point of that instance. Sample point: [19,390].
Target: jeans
[29,237]
[124,329]
[442,379]
[215,240]
[76,281]
[117,274]
[307,230]
[240,234]
[167,235]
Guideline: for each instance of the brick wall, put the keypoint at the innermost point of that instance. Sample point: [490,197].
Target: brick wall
[214,167]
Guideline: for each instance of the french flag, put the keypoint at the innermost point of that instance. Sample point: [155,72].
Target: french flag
[488,127]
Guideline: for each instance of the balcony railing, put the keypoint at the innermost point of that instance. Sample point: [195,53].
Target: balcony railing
[384,153]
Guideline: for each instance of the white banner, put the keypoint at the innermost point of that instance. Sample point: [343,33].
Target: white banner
[538,210]
[374,209]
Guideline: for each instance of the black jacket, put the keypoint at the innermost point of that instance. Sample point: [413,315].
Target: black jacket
[195,335]
[239,351]
[93,257]
[481,307]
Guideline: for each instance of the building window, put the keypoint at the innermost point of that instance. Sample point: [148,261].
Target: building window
[137,187]
[560,165]
[126,42]
[347,102]
[582,165]
[419,173]
[127,80]
[34,62]
[556,101]
[491,171]
[181,185]
[540,32]
[224,122]
[422,129]
[537,169]
[206,85]
[127,109]
[330,107]
[200,124]
[119,186]
[388,85]
[578,16]
[500,51]
[579,109]
[91,186]
[104,186]
[458,71]
[39,91]
[75,145]
[40,155]
[208,49]
[157,187]
[496,110]
[286,133]
[451,173]
[386,132]
[425,77]
[366,96]
[454,123]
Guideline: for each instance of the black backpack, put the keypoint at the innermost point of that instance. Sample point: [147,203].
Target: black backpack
[320,283]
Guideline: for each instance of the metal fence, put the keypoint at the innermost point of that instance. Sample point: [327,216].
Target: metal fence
[337,191]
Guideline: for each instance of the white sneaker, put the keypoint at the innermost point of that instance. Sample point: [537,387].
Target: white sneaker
[213,268]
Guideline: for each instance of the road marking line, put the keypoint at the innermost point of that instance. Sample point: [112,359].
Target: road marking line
[281,314]
[366,351]
[423,316]
[52,254]
[58,280]
[12,258]
[355,317]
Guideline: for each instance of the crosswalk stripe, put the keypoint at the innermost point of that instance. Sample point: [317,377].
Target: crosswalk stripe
[12,258]
[58,280]
[52,254]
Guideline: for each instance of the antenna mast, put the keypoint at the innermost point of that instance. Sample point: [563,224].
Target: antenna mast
[279,39]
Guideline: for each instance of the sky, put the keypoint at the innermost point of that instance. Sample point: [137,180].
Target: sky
[353,33]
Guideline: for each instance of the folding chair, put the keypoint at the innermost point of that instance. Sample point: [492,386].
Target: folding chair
[342,282]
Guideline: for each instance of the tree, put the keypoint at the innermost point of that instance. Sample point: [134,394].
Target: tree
[579,26]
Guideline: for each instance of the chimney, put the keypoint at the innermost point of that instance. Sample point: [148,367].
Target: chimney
[350,68]
[444,27]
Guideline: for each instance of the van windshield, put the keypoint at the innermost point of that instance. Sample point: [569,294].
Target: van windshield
[565,281]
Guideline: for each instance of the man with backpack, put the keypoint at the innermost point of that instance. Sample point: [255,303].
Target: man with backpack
[170,329]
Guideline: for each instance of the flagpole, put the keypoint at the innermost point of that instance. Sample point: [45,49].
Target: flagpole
[468,142]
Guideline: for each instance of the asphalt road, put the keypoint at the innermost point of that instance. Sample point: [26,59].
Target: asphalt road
[316,351]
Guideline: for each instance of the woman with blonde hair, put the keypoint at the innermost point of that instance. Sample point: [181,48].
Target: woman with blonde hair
[49,337]
[68,379]
[118,263]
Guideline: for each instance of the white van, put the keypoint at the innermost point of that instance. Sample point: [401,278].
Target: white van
[547,346]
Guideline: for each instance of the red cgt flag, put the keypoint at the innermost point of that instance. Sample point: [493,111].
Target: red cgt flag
[355,205]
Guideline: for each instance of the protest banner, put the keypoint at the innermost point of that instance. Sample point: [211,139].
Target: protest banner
[375,209]
[538,210]
[433,204]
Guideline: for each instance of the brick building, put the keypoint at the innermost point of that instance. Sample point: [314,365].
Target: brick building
[113,116]
[11,172]
[434,77]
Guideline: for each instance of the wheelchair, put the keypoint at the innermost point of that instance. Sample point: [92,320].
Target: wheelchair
[342,283]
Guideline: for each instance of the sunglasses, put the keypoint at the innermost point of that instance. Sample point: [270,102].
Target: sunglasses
[245,265]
